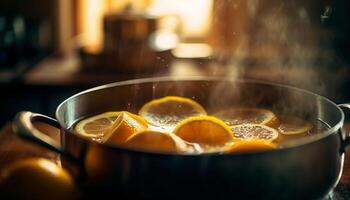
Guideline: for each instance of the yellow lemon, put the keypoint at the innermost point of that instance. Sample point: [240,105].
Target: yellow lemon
[168,111]
[250,146]
[37,178]
[111,127]
[154,141]
[293,126]
[254,132]
[236,116]
[204,130]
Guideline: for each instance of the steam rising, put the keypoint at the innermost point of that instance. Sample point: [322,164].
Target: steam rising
[282,40]
[279,41]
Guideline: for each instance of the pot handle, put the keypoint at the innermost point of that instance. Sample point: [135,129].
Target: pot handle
[347,137]
[23,127]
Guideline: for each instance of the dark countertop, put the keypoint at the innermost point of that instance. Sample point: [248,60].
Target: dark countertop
[68,71]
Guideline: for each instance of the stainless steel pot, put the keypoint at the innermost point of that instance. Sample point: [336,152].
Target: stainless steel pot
[305,169]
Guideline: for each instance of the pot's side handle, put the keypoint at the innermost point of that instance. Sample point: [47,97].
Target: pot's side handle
[23,127]
[347,137]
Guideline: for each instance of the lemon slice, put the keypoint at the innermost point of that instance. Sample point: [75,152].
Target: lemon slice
[293,126]
[168,111]
[154,141]
[95,126]
[254,132]
[115,127]
[205,130]
[236,116]
[250,146]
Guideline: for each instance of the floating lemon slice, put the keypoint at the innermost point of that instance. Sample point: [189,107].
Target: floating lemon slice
[168,111]
[250,146]
[111,127]
[254,132]
[96,126]
[204,130]
[154,141]
[293,126]
[236,116]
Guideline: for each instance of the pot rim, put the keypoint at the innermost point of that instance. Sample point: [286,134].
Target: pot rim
[289,145]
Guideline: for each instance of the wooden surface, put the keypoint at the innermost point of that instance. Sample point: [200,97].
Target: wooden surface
[13,148]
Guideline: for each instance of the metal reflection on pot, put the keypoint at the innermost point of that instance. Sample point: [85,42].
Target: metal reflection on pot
[307,169]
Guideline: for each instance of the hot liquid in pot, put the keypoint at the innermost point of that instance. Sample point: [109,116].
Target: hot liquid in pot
[188,147]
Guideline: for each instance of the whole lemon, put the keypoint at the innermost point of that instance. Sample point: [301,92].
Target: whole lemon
[36,178]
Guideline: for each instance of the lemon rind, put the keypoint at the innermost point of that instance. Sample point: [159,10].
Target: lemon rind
[149,104]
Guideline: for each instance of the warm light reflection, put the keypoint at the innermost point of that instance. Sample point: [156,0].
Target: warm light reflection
[91,15]
[164,40]
[192,50]
[194,14]
[50,166]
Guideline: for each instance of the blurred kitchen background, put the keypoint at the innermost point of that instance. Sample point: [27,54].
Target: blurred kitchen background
[50,50]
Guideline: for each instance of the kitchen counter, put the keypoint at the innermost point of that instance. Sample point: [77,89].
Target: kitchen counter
[68,72]
[13,148]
